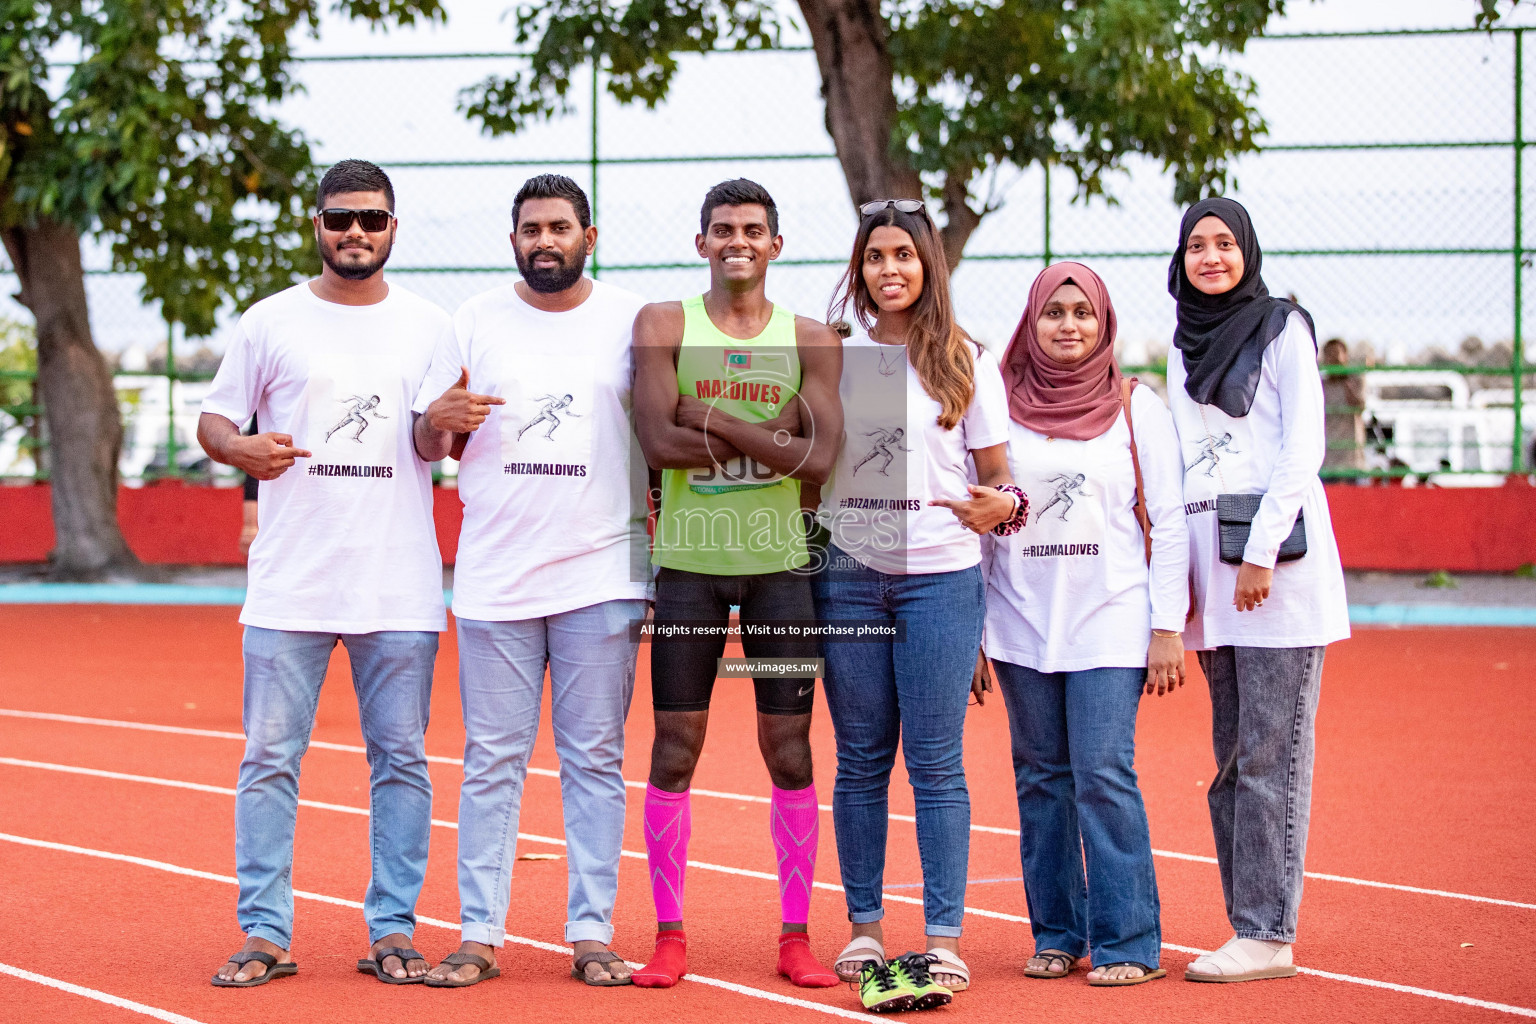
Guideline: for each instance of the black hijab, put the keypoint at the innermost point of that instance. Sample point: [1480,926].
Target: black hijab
[1223,337]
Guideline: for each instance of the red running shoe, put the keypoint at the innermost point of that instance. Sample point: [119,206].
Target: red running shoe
[668,964]
[799,964]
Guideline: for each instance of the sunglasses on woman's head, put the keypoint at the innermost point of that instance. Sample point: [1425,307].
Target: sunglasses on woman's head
[340,219]
[902,206]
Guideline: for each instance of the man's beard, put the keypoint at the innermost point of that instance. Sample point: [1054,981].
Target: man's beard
[548,280]
[356,271]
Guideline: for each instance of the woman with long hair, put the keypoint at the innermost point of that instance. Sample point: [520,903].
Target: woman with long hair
[1084,614]
[1247,402]
[923,408]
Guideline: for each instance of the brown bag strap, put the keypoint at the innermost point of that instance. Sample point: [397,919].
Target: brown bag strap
[1126,385]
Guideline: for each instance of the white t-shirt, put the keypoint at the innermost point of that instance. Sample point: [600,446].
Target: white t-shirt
[1070,591]
[347,543]
[1276,450]
[895,458]
[552,485]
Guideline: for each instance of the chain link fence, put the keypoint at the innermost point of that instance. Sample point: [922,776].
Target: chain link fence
[1389,198]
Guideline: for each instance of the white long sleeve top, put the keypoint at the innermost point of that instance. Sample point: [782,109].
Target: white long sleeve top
[1276,450]
[1072,590]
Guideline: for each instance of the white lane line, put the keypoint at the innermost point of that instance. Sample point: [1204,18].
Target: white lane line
[748,798]
[1519,1011]
[453,926]
[100,997]
[201,787]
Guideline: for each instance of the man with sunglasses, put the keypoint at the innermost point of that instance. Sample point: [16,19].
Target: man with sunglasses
[551,569]
[735,403]
[347,553]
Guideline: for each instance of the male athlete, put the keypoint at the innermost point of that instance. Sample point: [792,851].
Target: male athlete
[357,406]
[549,413]
[884,440]
[1065,485]
[736,402]
[1211,451]
[551,568]
[347,553]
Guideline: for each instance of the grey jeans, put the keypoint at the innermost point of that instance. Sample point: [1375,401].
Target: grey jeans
[1263,713]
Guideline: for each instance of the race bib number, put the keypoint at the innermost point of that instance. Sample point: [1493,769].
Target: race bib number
[738,474]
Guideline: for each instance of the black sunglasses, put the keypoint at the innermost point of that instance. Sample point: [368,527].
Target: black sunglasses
[340,219]
[902,206]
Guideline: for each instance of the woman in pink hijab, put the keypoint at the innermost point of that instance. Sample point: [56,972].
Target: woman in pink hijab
[1084,612]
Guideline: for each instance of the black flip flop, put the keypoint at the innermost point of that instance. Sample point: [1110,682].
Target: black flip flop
[1051,956]
[1147,974]
[603,957]
[376,967]
[274,970]
[487,972]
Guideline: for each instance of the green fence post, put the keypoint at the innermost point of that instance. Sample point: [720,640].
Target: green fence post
[1517,457]
[171,468]
[1045,165]
[596,266]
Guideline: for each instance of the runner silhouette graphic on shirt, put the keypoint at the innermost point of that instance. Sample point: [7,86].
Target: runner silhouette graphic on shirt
[1065,485]
[357,405]
[1211,451]
[549,413]
[884,441]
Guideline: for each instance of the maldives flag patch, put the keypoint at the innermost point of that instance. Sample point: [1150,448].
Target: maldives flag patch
[738,359]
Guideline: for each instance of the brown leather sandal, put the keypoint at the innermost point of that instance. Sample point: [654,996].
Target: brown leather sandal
[487,971]
[604,957]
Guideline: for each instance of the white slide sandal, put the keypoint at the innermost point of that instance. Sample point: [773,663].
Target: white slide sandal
[863,949]
[949,965]
[1242,960]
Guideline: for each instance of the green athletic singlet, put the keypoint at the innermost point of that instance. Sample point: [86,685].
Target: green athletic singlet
[741,518]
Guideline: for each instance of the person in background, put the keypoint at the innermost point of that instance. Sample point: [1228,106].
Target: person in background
[249,489]
[1247,403]
[924,408]
[1343,404]
[1084,614]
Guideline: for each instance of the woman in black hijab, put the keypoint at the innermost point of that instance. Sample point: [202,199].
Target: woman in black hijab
[1247,402]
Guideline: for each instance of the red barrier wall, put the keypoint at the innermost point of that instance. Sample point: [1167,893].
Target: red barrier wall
[169,523]
[1403,529]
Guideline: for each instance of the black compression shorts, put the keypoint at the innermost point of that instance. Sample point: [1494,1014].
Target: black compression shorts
[683,670]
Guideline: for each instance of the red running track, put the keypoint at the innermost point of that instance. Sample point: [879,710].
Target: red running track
[116,845]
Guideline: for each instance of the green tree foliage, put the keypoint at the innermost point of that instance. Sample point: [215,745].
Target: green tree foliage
[1489,12]
[957,90]
[149,124]
[18,362]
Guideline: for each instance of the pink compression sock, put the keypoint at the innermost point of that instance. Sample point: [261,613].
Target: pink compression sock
[668,824]
[795,824]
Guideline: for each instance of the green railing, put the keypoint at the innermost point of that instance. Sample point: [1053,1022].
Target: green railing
[1050,246]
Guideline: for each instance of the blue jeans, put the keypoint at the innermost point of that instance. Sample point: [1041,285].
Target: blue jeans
[392,674]
[591,657]
[1263,718]
[915,694]
[1074,745]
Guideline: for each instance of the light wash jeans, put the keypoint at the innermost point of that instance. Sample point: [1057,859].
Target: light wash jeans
[591,657]
[392,674]
[1263,718]
[1074,747]
[915,694]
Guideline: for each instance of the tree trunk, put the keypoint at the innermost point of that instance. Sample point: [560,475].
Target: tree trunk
[857,84]
[85,431]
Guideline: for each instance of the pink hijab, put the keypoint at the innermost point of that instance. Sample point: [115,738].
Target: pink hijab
[1077,401]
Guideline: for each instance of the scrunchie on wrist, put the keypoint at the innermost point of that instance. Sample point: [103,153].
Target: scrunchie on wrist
[1014,523]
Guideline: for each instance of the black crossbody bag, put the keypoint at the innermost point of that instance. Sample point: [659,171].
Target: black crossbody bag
[1234,521]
